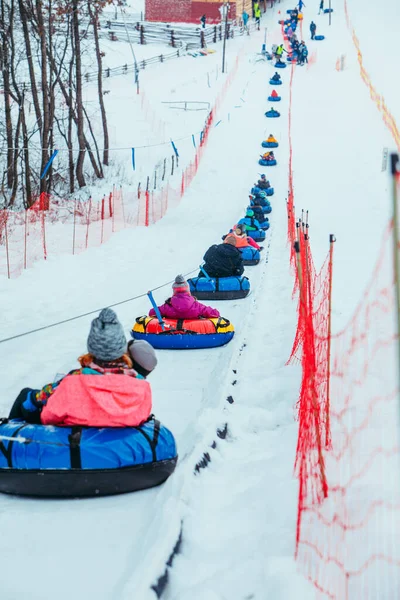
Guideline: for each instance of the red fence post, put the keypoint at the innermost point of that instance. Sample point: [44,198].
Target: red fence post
[146,217]
[88,222]
[102,220]
[73,231]
[25,237]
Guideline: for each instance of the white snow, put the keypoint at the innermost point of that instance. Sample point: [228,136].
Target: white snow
[238,515]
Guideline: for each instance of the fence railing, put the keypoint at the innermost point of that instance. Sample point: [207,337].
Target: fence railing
[174,35]
[130,68]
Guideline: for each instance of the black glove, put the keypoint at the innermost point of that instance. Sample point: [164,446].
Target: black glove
[261,248]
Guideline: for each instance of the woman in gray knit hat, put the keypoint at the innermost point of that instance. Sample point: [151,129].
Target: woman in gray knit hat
[99,401]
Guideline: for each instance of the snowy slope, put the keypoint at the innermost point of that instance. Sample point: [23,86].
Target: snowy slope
[238,514]
[109,544]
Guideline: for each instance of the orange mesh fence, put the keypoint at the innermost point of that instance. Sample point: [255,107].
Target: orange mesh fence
[347,545]
[375,97]
[53,226]
[348,452]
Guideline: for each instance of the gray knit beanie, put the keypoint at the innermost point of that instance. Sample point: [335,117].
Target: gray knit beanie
[143,356]
[106,340]
[180,284]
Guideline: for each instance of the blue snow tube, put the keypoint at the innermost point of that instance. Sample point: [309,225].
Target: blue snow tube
[319,37]
[280,65]
[219,288]
[250,255]
[70,462]
[272,114]
[328,10]
[291,58]
[258,236]
[267,163]
[269,56]
[275,82]
[274,98]
[183,334]
[269,144]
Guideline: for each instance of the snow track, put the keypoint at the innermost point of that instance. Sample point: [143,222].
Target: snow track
[117,547]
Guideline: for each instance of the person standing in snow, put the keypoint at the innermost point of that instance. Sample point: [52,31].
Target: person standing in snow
[257,13]
[182,305]
[321,6]
[279,53]
[203,21]
[245,18]
[120,398]
[301,4]
[313,29]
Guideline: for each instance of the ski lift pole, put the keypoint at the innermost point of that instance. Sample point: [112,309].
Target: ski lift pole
[330,12]
[264,46]
[156,310]
[225,9]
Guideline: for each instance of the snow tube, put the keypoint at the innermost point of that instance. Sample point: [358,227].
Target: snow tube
[280,65]
[319,37]
[275,82]
[274,98]
[267,163]
[328,10]
[250,255]
[269,56]
[73,462]
[272,114]
[291,58]
[269,144]
[219,288]
[183,334]
[258,236]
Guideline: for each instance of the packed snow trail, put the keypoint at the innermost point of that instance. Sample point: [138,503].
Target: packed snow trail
[114,547]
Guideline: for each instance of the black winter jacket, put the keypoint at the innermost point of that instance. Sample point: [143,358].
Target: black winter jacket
[223,260]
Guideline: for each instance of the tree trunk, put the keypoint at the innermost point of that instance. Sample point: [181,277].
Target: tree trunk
[5,67]
[79,102]
[45,95]
[35,96]
[95,22]
[25,139]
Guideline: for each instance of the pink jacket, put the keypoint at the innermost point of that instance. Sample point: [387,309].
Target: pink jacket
[184,306]
[106,401]
[252,243]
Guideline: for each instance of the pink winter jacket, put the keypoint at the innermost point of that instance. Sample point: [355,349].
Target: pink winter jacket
[184,306]
[106,401]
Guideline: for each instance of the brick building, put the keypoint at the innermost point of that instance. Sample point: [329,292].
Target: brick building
[190,11]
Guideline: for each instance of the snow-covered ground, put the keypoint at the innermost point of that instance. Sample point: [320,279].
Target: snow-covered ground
[237,516]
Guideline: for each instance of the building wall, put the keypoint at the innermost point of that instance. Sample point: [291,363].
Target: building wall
[190,11]
[168,11]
